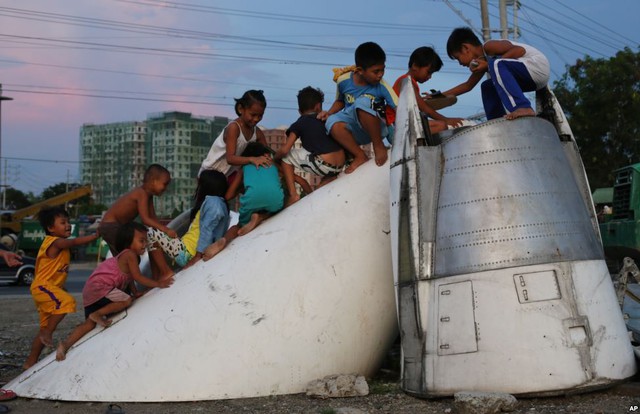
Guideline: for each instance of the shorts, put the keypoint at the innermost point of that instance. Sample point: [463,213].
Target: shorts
[349,116]
[249,205]
[52,300]
[115,295]
[174,248]
[308,162]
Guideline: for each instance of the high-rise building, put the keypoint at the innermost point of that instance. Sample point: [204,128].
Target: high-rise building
[112,158]
[115,156]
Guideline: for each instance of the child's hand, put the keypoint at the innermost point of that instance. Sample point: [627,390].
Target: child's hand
[323,115]
[454,122]
[478,65]
[165,283]
[263,160]
[171,233]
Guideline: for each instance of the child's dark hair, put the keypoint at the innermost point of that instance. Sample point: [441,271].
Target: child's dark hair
[308,98]
[154,171]
[47,216]
[458,37]
[369,54]
[425,56]
[124,236]
[255,149]
[210,183]
[249,98]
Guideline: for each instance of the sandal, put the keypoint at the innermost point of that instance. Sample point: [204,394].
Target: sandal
[6,395]
[114,409]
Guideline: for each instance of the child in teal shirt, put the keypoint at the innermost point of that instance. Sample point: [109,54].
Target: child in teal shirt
[263,194]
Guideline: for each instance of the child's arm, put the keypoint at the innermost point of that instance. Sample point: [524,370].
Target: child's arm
[62,244]
[234,188]
[147,213]
[425,108]
[231,134]
[469,84]
[503,48]
[128,263]
[288,144]
[337,106]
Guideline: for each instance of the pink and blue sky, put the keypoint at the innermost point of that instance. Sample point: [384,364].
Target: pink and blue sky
[70,62]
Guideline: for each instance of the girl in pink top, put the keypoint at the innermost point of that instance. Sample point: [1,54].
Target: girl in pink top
[105,291]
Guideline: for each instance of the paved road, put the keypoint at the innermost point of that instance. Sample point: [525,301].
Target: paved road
[78,274]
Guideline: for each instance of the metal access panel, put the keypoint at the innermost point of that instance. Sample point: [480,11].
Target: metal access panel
[537,286]
[456,319]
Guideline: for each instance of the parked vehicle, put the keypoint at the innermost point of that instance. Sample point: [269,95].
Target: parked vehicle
[620,235]
[19,275]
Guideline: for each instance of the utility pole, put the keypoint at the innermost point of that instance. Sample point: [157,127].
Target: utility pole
[504,27]
[486,27]
[4,187]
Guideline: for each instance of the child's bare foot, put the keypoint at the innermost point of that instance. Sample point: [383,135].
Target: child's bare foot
[46,338]
[355,163]
[214,248]
[380,153]
[61,352]
[252,224]
[98,319]
[27,365]
[518,113]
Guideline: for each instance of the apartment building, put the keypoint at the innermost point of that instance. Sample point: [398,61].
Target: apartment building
[115,156]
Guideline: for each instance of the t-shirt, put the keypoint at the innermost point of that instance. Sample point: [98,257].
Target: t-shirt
[381,93]
[313,135]
[106,277]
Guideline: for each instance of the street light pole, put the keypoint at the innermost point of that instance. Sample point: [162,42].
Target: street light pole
[2,98]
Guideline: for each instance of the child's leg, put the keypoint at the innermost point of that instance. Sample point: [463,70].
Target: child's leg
[343,135]
[97,317]
[256,218]
[42,339]
[36,349]
[46,334]
[100,316]
[289,180]
[80,331]
[303,183]
[159,267]
[216,247]
[371,124]
[491,102]
[511,79]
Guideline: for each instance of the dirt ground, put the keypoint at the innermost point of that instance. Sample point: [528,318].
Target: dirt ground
[18,325]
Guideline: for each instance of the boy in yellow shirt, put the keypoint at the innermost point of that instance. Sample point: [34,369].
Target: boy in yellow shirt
[52,266]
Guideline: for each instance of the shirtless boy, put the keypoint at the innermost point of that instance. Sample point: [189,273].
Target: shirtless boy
[139,202]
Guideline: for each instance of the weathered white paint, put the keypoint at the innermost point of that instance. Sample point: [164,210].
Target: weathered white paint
[548,327]
[309,293]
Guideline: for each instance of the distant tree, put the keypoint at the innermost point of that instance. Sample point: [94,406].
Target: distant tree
[601,98]
[56,189]
[15,199]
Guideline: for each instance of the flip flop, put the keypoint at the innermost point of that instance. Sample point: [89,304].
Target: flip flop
[114,409]
[6,395]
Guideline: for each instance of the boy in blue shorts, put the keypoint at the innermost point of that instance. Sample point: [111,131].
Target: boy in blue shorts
[357,115]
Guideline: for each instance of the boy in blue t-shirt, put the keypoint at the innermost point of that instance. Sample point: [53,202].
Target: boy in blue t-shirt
[357,115]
